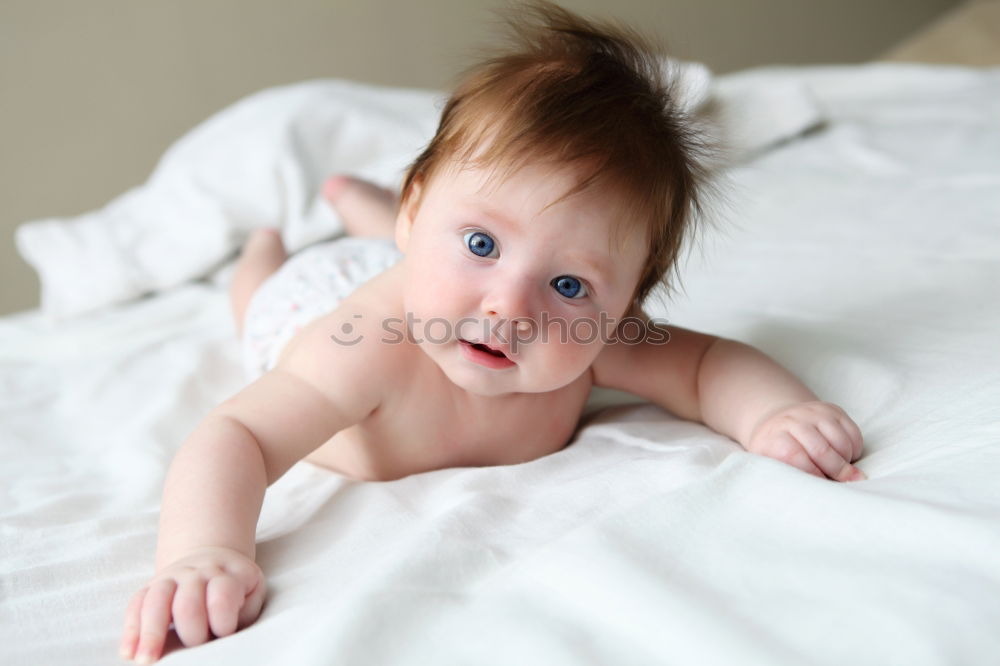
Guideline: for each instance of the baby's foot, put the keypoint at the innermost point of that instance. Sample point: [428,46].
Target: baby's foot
[262,255]
[365,208]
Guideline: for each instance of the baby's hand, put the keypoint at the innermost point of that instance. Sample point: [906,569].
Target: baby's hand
[211,589]
[817,437]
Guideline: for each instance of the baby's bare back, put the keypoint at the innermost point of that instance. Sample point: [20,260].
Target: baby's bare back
[425,421]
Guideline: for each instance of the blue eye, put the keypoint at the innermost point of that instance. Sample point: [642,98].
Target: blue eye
[479,243]
[569,286]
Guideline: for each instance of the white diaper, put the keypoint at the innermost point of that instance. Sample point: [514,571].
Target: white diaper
[308,285]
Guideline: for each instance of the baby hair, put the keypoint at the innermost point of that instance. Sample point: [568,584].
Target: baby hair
[595,96]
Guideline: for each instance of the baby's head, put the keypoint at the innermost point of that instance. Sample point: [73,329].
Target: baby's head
[560,184]
[591,97]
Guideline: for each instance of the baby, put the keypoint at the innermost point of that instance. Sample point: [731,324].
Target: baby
[470,329]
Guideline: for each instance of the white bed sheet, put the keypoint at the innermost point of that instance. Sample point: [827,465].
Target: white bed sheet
[864,256]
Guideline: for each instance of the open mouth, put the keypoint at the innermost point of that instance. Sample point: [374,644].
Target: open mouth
[485,355]
[484,348]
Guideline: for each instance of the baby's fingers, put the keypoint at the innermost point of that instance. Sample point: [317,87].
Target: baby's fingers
[842,440]
[825,455]
[234,599]
[789,451]
[253,603]
[155,620]
[190,617]
[854,432]
[224,597]
[130,634]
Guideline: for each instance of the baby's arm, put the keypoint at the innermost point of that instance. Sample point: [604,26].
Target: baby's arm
[740,392]
[206,579]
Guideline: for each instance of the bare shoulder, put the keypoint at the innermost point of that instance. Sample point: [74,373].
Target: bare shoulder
[659,363]
[346,350]
[329,377]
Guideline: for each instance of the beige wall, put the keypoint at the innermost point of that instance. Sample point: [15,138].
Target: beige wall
[91,93]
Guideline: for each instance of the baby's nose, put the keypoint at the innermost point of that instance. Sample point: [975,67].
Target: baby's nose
[510,301]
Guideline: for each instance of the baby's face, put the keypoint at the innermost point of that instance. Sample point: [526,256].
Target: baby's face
[490,267]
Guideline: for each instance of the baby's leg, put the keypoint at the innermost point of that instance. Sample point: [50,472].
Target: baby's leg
[364,208]
[262,255]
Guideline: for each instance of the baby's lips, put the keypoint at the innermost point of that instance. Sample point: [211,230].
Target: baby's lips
[503,349]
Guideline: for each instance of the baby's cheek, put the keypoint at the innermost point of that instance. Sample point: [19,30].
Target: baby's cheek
[431,291]
[572,344]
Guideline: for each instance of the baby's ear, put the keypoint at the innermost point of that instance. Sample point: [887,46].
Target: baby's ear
[408,207]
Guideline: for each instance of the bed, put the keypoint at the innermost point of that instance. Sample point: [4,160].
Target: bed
[857,242]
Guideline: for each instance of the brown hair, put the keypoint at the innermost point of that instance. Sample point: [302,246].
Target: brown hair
[592,95]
